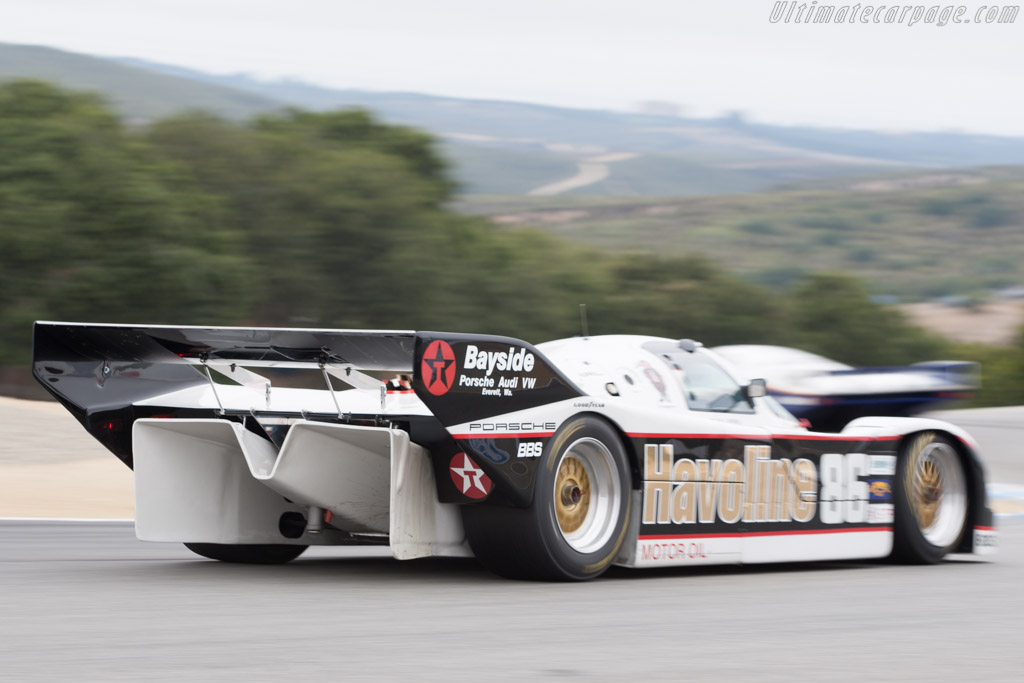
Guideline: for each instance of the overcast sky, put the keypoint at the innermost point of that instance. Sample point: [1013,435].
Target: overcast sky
[708,57]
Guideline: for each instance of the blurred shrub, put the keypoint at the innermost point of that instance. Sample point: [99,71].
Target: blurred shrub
[979,209]
[833,315]
[863,254]
[88,228]
[828,222]
[1002,372]
[992,216]
[759,227]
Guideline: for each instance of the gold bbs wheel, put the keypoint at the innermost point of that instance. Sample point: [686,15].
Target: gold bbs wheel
[578,519]
[937,491]
[587,495]
[932,499]
[572,486]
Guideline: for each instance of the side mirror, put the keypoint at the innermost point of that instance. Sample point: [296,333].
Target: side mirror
[756,389]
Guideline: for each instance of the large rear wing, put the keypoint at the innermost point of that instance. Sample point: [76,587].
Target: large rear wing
[100,372]
[97,367]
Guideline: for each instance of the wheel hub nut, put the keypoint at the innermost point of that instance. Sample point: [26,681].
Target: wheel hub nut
[571,494]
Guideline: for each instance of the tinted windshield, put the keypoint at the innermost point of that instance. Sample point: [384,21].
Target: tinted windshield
[705,384]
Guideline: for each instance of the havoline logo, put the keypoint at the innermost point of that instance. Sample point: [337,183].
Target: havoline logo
[757,488]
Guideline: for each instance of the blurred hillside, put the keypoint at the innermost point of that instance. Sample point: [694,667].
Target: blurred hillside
[137,95]
[518,148]
[337,219]
[911,235]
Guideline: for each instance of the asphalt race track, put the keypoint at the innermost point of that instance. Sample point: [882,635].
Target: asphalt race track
[85,601]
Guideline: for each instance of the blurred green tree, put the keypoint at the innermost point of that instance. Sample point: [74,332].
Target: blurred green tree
[833,315]
[324,202]
[689,297]
[88,230]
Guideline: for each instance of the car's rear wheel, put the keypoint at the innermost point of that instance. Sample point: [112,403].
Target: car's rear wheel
[931,499]
[579,515]
[248,554]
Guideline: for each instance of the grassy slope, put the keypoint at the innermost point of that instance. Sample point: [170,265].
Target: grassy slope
[915,235]
[137,94]
[486,169]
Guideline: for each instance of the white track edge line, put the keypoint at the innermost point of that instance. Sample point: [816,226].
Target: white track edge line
[66,519]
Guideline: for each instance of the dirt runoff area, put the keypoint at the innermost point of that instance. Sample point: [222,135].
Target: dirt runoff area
[992,322]
[50,467]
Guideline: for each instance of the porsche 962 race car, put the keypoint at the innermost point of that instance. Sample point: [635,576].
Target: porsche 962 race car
[553,461]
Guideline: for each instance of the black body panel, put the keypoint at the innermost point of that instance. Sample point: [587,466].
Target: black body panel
[463,377]
[735,484]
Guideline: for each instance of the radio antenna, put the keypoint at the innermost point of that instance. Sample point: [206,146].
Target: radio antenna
[583,320]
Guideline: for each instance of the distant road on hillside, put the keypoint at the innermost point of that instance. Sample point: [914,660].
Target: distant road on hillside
[591,171]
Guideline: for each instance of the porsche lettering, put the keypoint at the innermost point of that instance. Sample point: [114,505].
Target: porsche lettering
[512,427]
[479,382]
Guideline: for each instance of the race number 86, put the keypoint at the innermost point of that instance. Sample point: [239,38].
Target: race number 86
[843,496]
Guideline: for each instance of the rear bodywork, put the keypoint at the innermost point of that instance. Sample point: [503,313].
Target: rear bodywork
[393,432]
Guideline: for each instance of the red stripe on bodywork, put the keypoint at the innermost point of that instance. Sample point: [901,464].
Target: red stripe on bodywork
[837,437]
[745,534]
[504,435]
[763,437]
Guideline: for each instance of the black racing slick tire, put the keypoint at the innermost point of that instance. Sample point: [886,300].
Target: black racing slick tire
[248,554]
[579,516]
[931,499]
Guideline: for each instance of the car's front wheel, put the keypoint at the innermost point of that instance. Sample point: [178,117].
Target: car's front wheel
[579,516]
[931,499]
[248,554]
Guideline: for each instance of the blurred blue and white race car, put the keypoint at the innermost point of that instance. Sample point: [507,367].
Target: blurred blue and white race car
[829,394]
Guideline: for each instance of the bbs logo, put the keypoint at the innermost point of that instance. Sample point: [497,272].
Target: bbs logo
[530,449]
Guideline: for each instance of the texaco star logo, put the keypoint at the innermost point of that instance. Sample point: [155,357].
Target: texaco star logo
[468,478]
[438,367]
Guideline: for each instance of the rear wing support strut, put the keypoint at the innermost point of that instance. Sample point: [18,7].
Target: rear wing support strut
[213,385]
[330,387]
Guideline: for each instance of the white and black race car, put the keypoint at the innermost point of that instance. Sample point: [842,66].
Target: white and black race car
[553,461]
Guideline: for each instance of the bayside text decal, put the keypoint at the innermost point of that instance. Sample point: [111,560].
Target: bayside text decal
[512,366]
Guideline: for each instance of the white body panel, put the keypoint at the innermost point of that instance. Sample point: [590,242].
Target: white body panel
[844,545]
[420,525]
[757,548]
[688,551]
[213,481]
[192,484]
[346,470]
